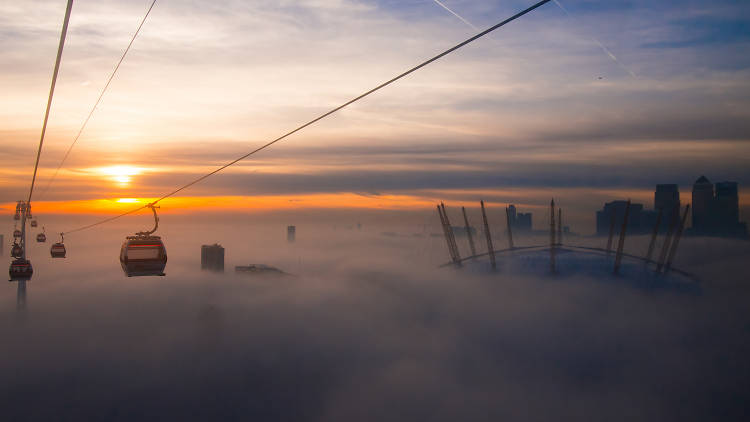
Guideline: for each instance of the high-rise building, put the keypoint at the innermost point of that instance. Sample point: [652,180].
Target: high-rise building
[519,221]
[666,197]
[212,258]
[727,206]
[703,199]
[291,233]
[638,220]
[512,213]
[716,211]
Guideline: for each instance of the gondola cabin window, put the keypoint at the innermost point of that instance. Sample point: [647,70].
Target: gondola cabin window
[136,252]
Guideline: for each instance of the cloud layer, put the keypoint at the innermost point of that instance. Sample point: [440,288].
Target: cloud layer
[368,331]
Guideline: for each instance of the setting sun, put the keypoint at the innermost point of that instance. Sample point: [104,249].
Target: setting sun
[122,174]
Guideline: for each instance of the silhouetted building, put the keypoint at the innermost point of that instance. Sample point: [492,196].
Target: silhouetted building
[519,221]
[639,221]
[727,203]
[716,211]
[212,257]
[703,198]
[291,233]
[666,197]
[258,269]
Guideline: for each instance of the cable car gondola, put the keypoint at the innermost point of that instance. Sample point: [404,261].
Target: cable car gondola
[58,249]
[16,234]
[144,254]
[20,269]
[34,223]
[16,251]
[41,237]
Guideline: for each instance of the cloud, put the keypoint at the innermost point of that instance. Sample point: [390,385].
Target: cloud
[369,331]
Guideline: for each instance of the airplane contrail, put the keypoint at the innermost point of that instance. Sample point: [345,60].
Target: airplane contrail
[456,14]
[604,49]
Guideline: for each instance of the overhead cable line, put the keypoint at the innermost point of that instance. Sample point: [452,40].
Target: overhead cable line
[98,100]
[51,93]
[326,114]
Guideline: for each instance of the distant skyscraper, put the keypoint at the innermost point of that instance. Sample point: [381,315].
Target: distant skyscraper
[666,197]
[727,204]
[716,212]
[212,257]
[291,233]
[639,221]
[512,213]
[519,221]
[703,199]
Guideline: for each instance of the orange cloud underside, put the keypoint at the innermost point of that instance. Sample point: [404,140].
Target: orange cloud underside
[342,200]
[230,203]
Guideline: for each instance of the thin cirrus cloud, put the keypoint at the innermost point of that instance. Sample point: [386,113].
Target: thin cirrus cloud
[205,83]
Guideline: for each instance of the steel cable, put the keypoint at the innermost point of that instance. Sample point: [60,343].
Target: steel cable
[324,115]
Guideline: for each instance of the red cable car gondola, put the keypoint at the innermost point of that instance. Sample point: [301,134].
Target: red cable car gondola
[144,254]
[20,269]
[16,251]
[16,234]
[41,237]
[34,223]
[58,249]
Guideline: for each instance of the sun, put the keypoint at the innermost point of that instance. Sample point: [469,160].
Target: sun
[122,174]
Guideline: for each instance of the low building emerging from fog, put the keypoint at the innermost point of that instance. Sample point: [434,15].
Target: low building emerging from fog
[258,269]
[212,258]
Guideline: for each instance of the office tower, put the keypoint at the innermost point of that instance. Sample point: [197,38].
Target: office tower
[637,218]
[519,221]
[703,198]
[666,197]
[727,205]
[212,258]
[512,214]
[291,233]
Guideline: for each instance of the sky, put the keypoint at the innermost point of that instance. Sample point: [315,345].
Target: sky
[596,102]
